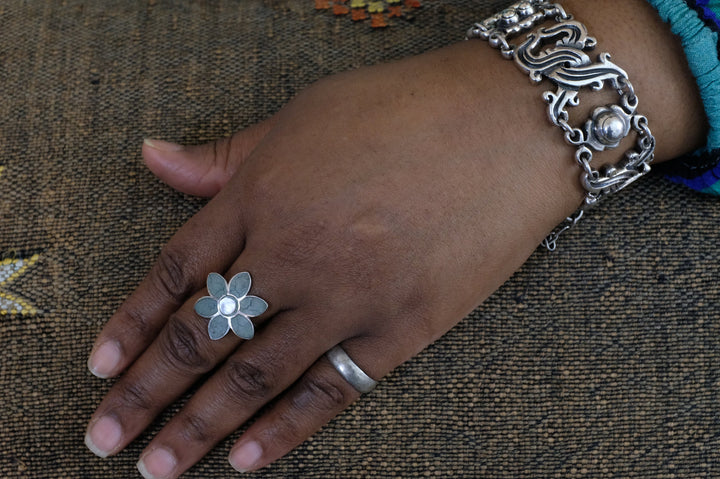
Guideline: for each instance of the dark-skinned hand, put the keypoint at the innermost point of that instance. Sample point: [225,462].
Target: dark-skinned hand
[371,224]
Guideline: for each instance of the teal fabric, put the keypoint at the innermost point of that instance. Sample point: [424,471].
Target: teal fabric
[712,190]
[697,23]
[700,44]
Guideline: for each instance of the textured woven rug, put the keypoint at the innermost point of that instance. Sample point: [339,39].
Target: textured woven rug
[600,360]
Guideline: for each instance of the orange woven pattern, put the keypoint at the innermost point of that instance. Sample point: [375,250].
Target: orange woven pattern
[379,13]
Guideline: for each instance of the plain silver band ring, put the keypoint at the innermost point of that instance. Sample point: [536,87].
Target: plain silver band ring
[350,371]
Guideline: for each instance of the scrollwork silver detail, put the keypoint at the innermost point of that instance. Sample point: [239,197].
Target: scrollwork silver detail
[559,53]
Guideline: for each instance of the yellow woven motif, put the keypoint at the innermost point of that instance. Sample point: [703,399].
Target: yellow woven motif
[10,269]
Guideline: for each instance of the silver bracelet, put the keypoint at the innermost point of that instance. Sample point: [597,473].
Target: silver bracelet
[557,52]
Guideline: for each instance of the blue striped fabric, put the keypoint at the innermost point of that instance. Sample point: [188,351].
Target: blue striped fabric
[697,23]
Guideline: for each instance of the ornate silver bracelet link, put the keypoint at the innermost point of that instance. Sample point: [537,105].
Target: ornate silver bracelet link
[557,52]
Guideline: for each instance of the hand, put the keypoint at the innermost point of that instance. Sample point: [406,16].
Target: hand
[375,222]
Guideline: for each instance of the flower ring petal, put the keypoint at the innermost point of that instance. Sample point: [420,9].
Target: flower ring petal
[216,285]
[253,306]
[242,326]
[218,326]
[240,284]
[207,307]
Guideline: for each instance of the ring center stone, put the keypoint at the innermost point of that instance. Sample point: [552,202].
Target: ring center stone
[227,306]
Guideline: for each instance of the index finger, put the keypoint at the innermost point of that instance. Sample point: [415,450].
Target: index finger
[210,241]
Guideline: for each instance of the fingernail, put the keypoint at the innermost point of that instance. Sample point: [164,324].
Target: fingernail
[104,436]
[105,359]
[245,457]
[157,464]
[163,145]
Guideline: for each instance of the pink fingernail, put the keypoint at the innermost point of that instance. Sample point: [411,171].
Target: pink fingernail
[163,145]
[245,457]
[105,359]
[104,436]
[157,464]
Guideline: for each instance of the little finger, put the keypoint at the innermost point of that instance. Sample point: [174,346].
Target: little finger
[320,395]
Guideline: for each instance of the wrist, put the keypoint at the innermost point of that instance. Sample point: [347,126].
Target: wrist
[644,46]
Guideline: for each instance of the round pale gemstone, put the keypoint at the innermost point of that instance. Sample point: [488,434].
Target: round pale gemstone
[227,306]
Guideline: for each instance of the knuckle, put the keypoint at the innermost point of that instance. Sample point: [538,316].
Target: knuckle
[246,381]
[185,347]
[134,395]
[287,430]
[195,428]
[320,394]
[137,322]
[171,273]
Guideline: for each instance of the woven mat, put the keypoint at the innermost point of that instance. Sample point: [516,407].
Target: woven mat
[600,360]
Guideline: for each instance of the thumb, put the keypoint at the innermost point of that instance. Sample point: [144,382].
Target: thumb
[202,170]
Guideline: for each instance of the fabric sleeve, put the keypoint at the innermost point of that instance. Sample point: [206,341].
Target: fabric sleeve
[697,24]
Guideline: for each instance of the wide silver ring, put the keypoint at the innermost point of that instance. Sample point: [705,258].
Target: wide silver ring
[350,371]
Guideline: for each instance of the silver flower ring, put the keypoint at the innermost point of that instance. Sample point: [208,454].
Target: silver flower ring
[229,306]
